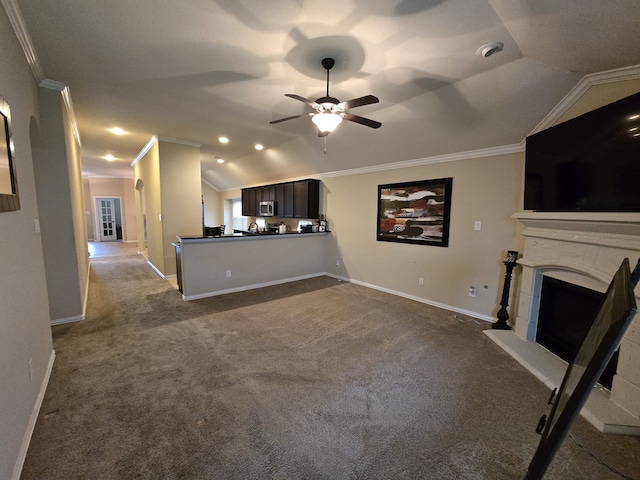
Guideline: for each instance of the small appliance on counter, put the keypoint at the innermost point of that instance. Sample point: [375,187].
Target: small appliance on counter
[213,231]
[282,228]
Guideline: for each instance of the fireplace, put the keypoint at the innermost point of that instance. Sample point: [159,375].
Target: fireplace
[584,250]
[565,315]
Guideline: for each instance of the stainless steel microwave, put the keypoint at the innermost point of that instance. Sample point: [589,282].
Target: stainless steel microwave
[266,209]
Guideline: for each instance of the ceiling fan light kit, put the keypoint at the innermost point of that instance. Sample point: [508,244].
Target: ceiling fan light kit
[329,111]
[326,121]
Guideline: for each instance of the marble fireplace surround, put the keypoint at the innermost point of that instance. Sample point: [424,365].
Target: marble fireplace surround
[585,249]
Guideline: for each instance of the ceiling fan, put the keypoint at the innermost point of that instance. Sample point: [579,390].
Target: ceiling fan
[329,111]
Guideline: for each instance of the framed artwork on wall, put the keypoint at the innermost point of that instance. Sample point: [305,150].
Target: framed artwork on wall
[9,200]
[415,212]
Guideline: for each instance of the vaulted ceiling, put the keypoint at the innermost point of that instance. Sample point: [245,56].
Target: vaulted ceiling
[195,70]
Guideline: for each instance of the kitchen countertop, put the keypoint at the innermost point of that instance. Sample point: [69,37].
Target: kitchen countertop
[247,236]
[210,266]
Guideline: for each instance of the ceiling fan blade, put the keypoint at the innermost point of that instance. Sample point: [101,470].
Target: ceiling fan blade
[311,103]
[291,118]
[358,102]
[361,120]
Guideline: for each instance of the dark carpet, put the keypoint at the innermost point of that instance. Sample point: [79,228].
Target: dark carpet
[317,379]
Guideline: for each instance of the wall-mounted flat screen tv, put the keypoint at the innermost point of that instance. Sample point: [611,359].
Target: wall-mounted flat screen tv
[590,163]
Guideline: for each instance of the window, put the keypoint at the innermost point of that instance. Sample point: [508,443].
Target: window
[238,222]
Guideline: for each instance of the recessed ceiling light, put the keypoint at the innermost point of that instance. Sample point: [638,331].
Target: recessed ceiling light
[109,157]
[117,131]
[220,160]
[259,146]
[634,117]
[633,129]
[223,140]
[489,49]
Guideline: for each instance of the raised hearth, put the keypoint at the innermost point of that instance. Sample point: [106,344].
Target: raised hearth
[583,249]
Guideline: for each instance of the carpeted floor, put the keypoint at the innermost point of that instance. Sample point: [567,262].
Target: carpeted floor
[317,379]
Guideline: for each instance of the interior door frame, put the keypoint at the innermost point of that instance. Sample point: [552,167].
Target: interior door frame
[97,237]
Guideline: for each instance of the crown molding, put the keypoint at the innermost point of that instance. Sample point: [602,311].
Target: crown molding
[209,184]
[610,76]
[53,85]
[152,141]
[20,29]
[68,103]
[179,141]
[452,157]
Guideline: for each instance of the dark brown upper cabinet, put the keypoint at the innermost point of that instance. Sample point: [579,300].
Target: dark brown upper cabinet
[300,199]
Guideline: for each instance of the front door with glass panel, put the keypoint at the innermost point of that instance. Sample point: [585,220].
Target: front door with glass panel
[107,222]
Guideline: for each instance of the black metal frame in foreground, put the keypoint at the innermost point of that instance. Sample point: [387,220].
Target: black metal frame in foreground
[614,317]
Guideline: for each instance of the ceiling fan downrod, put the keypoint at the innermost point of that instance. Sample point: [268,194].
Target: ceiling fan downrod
[328,64]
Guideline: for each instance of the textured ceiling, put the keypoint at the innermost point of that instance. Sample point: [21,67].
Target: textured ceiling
[194,70]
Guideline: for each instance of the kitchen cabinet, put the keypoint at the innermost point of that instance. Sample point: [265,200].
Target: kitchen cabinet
[287,207]
[306,199]
[279,199]
[268,193]
[249,202]
[300,199]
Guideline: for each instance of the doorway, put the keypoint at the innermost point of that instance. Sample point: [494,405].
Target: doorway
[108,219]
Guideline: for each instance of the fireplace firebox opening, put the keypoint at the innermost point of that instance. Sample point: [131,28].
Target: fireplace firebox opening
[565,316]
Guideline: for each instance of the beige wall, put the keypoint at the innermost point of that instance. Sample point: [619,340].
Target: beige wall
[25,332]
[170,173]
[181,193]
[484,189]
[213,215]
[122,188]
[57,168]
[76,197]
[147,172]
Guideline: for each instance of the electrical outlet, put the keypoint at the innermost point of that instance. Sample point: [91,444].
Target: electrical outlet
[472,291]
[36,225]
[337,263]
[228,273]
[477,225]
[421,281]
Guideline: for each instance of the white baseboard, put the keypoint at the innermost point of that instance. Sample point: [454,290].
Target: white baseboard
[469,313]
[156,270]
[86,291]
[22,454]
[61,321]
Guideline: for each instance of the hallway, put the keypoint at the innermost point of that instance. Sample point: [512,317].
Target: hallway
[112,249]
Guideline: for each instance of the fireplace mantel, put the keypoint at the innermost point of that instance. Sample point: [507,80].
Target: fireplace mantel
[591,227]
[584,248]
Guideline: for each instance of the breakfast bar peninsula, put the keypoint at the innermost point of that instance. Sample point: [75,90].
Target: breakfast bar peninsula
[210,266]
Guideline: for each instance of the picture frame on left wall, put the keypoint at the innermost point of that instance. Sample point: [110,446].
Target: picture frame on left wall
[9,200]
[415,212]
